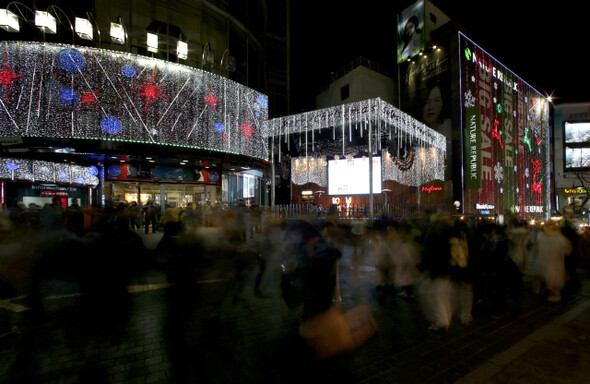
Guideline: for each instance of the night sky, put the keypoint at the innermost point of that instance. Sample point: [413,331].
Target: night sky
[544,45]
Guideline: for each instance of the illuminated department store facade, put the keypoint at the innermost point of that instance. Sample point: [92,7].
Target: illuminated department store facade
[496,125]
[487,153]
[79,99]
[132,122]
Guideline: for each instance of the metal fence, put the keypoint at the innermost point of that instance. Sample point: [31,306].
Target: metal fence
[361,212]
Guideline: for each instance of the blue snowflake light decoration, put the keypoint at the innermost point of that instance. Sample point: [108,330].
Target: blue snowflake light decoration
[262,101]
[128,71]
[91,171]
[68,95]
[110,124]
[62,175]
[12,166]
[219,127]
[71,60]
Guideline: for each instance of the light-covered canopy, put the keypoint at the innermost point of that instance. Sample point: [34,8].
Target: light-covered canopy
[413,154]
[62,91]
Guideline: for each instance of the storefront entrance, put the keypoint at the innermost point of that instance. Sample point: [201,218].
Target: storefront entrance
[163,195]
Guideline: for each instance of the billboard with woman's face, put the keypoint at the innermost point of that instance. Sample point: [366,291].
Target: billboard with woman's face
[410,31]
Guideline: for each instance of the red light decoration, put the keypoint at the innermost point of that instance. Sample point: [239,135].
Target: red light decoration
[89,98]
[150,91]
[247,130]
[7,77]
[537,187]
[496,134]
[211,100]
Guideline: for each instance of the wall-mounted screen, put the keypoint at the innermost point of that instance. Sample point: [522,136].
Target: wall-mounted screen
[577,158]
[351,176]
[577,133]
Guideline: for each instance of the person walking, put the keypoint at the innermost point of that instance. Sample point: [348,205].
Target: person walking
[150,217]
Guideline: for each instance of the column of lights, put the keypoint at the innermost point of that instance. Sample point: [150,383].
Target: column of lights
[423,53]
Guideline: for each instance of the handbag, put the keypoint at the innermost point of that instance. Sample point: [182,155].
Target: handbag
[333,331]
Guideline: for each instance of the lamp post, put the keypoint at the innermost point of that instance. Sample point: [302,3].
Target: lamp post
[56,8]
[205,55]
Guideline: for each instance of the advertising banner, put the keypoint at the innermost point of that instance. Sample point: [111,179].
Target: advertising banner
[410,31]
[472,135]
[514,130]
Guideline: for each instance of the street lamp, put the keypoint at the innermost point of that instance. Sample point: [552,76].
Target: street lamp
[230,62]
[9,21]
[45,22]
[182,49]
[83,28]
[152,42]
[208,57]
[118,32]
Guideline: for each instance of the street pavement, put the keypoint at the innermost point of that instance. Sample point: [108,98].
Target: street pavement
[216,331]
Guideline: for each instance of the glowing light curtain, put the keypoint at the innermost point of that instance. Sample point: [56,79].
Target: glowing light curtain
[415,153]
[46,171]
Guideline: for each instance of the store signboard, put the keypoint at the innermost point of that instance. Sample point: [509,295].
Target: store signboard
[513,127]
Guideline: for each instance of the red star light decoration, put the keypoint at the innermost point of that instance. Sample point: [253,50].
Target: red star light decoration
[211,100]
[7,77]
[247,130]
[150,91]
[89,98]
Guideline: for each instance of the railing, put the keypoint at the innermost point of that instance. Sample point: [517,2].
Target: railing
[361,212]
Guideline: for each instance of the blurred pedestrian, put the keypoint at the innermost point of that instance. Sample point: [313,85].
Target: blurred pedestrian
[75,218]
[151,217]
[553,247]
[53,214]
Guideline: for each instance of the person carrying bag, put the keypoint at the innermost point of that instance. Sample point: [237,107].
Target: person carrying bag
[332,331]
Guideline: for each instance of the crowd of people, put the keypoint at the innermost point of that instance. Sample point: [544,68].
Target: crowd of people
[451,269]
[445,264]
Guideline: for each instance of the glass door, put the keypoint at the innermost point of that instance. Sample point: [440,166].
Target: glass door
[174,195]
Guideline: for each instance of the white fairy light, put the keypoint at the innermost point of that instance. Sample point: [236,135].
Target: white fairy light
[89,93]
[46,171]
[386,122]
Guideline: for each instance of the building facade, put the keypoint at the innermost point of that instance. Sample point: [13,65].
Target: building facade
[168,110]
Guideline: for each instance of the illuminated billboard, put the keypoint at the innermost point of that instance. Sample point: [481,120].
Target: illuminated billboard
[576,146]
[351,176]
[505,134]
[410,31]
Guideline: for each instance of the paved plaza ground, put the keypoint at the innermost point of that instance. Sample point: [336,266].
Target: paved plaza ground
[162,333]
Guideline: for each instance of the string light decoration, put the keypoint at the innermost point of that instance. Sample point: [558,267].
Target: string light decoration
[311,170]
[55,90]
[402,134]
[47,171]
